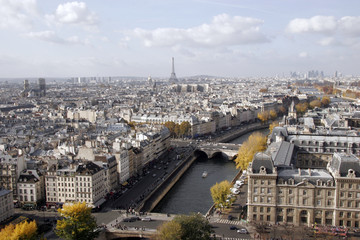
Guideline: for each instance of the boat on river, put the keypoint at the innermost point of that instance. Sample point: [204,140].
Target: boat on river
[204,174]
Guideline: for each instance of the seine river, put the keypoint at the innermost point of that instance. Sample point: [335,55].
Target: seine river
[192,192]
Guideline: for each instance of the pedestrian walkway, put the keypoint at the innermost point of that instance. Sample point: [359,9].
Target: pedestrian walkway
[226,221]
[234,238]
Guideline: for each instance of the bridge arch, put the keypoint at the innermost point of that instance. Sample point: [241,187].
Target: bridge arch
[200,154]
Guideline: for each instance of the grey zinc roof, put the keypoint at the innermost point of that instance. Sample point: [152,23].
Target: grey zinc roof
[284,154]
[342,162]
[313,176]
[262,159]
[278,131]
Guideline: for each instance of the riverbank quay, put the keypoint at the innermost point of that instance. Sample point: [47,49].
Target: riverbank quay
[168,182]
[236,132]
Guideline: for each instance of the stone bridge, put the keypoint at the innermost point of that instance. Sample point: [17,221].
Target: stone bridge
[228,150]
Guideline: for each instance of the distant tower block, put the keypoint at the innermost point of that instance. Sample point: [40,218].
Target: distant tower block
[26,85]
[173,78]
[42,86]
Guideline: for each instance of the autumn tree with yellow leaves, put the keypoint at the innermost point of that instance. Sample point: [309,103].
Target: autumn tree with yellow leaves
[219,193]
[255,143]
[273,125]
[24,230]
[77,222]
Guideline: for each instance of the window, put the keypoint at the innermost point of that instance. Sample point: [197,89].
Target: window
[262,182]
[291,200]
[341,214]
[318,192]
[318,202]
[261,209]
[255,190]
[268,209]
[342,194]
[268,218]
[290,191]
[269,190]
[261,199]
[350,194]
[262,190]
[304,201]
[304,192]
[255,198]
[350,186]
[254,209]
[254,217]
[268,199]
[349,215]
[329,193]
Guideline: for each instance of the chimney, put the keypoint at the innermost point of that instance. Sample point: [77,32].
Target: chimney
[309,169]
[299,171]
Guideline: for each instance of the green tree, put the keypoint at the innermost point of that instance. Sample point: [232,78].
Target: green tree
[169,231]
[77,222]
[22,231]
[219,193]
[192,227]
[184,128]
[255,143]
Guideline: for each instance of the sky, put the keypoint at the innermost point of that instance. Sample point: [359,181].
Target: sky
[230,38]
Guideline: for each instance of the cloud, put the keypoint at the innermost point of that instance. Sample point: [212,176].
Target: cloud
[17,13]
[350,25]
[320,24]
[73,13]
[223,30]
[329,25]
[51,36]
[303,54]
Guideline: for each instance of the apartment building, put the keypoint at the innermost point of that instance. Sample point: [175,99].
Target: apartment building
[30,188]
[6,204]
[81,182]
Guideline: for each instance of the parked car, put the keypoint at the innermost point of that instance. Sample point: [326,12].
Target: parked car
[233,228]
[146,219]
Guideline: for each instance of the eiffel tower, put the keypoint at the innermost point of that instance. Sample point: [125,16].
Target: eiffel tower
[173,79]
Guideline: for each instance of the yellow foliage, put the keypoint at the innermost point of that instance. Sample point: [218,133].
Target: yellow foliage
[263,116]
[255,143]
[169,231]
[273,114]
[272,125]
[219,193]
[23,230]
[77,222]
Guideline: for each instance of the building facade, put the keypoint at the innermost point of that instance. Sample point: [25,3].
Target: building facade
[6,205]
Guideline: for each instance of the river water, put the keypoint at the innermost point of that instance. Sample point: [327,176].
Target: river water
[192,192]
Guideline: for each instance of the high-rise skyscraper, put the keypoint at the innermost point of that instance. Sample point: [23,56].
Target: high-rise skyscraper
[26,85]
[173,78]
[42,87]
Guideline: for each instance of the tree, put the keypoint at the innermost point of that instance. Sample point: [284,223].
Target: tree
[273,114]
[184,128]
[255,143]
[219,193]
[302,107]
[192,227]
[263,90]
[272,125]
[169,231]
[263,116]
[77,222]
[177,130]
[21,231]
[171,126]
[282,110]
[315,103]
[325,101]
